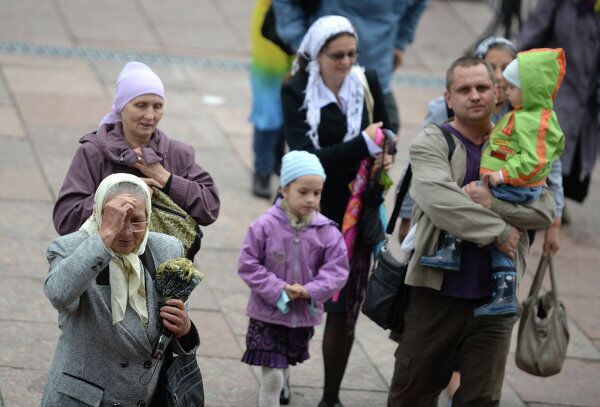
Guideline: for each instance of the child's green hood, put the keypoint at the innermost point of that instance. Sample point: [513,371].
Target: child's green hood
[541,72]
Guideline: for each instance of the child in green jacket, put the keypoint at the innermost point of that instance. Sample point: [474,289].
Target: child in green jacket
[517,160]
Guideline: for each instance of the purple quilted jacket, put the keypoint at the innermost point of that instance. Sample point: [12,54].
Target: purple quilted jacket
[274,253]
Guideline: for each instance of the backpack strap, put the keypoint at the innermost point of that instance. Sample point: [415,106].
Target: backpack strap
[403,189]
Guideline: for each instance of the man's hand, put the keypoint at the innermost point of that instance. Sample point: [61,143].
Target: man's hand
[509,247]
[113,217]
[479,191]
[175,317]
[155,170]
[552,238]
[398,58]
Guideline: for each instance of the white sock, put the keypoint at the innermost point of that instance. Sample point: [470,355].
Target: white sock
[270,386]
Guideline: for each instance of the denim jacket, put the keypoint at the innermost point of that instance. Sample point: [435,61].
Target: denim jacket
[274,254]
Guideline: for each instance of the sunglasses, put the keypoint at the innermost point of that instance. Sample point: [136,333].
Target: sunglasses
[339,56]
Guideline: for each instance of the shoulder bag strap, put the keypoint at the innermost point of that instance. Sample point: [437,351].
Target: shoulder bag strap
[553,281]
[539,277]
[369,101]
[403,189]
[148,261]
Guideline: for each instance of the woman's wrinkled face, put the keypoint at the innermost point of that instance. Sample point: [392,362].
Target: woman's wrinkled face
[127,240]
[499,58]
[141,115]
[337,58]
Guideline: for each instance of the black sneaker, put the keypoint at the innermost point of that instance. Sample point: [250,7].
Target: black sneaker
[261,185]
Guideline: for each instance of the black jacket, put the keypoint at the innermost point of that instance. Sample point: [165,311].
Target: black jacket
[340,159]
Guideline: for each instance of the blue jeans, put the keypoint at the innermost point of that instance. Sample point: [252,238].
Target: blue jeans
[510,193]
[267,144]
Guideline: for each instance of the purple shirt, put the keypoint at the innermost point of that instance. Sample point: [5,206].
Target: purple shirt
[473,280]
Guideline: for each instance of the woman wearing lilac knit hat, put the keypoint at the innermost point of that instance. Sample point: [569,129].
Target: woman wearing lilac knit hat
[128,141]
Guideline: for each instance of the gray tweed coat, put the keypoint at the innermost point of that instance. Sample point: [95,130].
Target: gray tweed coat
[97,363]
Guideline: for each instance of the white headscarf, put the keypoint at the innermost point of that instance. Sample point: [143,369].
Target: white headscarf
[135,79]
[312,43]
[126,272]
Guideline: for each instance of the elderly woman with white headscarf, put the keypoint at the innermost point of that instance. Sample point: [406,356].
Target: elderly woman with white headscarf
[326,110]
[100,281]
[128,140]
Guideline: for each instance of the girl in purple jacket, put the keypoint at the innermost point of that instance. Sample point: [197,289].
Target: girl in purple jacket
[293,259]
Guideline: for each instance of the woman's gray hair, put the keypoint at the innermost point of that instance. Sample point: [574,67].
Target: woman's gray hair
[125,188]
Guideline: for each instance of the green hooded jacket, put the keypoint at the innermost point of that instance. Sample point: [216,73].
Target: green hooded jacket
[528,139]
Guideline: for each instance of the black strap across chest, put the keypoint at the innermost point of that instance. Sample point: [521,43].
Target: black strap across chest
[403,189]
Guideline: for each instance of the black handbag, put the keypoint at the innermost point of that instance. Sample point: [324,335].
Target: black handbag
[180,383]
[386,295]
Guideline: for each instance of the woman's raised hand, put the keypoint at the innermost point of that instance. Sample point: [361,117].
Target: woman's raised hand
[371,130]
[113,217]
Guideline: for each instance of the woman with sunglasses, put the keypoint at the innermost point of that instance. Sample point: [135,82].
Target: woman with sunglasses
[325,112]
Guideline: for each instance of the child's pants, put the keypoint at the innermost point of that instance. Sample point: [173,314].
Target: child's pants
[271,385]
[520,195]
[510,193]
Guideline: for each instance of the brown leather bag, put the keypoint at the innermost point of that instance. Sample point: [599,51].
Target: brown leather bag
[543,331]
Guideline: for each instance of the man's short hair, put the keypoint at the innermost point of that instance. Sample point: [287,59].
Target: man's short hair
[466,62]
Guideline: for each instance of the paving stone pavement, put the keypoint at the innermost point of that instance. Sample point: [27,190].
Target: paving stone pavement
[58,64]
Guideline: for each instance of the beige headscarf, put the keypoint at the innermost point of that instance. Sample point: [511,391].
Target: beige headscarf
[126,272]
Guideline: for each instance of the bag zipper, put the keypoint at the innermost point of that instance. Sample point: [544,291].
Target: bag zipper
[167,209]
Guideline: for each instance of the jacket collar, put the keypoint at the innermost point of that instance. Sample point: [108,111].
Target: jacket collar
[278,213]
[110,140]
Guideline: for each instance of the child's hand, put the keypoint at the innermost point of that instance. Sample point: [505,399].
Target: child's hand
[495,178]
[302,291]
[292,291]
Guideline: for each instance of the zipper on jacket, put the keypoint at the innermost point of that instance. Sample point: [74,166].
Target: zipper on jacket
[296,267]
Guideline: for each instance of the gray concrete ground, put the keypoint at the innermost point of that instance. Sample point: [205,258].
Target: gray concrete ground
[58,64]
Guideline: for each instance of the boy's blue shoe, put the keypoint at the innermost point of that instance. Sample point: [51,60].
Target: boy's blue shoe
[447,256]
[504,296]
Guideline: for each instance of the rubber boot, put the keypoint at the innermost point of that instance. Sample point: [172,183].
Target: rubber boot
[447,256]
[504,296]
[261,184]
